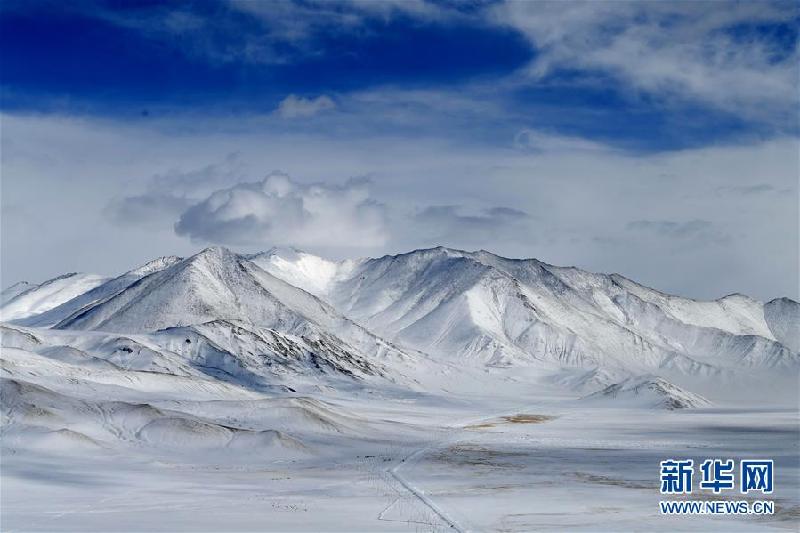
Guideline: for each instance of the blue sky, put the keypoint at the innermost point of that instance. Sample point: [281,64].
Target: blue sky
[120,59]
[481,95]
[107,58]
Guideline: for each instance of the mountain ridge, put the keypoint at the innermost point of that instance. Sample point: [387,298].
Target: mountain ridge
[293,311]
[547,291]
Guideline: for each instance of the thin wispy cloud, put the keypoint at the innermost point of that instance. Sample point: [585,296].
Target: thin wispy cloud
[298,107]
[740,56]
[701,231]
[468,228]
[747,190]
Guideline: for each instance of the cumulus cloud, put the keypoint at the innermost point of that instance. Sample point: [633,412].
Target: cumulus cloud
[298,107]
[278,210]
[170,193]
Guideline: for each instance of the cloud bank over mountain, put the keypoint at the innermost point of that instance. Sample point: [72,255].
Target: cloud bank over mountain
[282,211]
[582,206]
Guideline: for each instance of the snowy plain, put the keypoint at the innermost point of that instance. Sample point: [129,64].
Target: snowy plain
[438,390]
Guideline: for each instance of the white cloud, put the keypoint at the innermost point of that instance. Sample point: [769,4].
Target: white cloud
[298,107]
[668,48]
[170,193]
[295,21]
[280,211]
[540,141]
[579,201]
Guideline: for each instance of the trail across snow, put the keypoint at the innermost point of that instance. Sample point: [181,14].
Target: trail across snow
[419,493]
[453,435]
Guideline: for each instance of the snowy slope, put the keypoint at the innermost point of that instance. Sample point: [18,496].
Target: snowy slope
[15,290]
[648,391]
[735,313]
[97,294]
[88,413]
[309,272]
[263,357]
[479,307]
[48,295]
[217,309]
[783,318]
[213,284]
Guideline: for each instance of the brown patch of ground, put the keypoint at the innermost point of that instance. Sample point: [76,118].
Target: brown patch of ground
[520,418]
[603,480]
[484,425]
[527,419]
[473,455]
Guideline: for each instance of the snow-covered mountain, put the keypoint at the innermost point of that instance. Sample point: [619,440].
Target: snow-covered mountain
[245,373]
[477,306]
[23,299]
[97,295]
[220,312]
[15,290]
[783,318]
[285,312]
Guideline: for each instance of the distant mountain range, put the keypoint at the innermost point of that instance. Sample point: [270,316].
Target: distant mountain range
[276,318]
[487,309]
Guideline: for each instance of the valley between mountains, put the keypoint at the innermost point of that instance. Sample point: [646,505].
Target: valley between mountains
[435,390]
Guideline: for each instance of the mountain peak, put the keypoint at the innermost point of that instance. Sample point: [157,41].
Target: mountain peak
[443,249]
[426,252]
[212,260]
[155,265]
[213,284]
[282,251]
[215,252]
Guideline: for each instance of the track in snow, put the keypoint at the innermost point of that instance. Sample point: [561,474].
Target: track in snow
[417,492]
